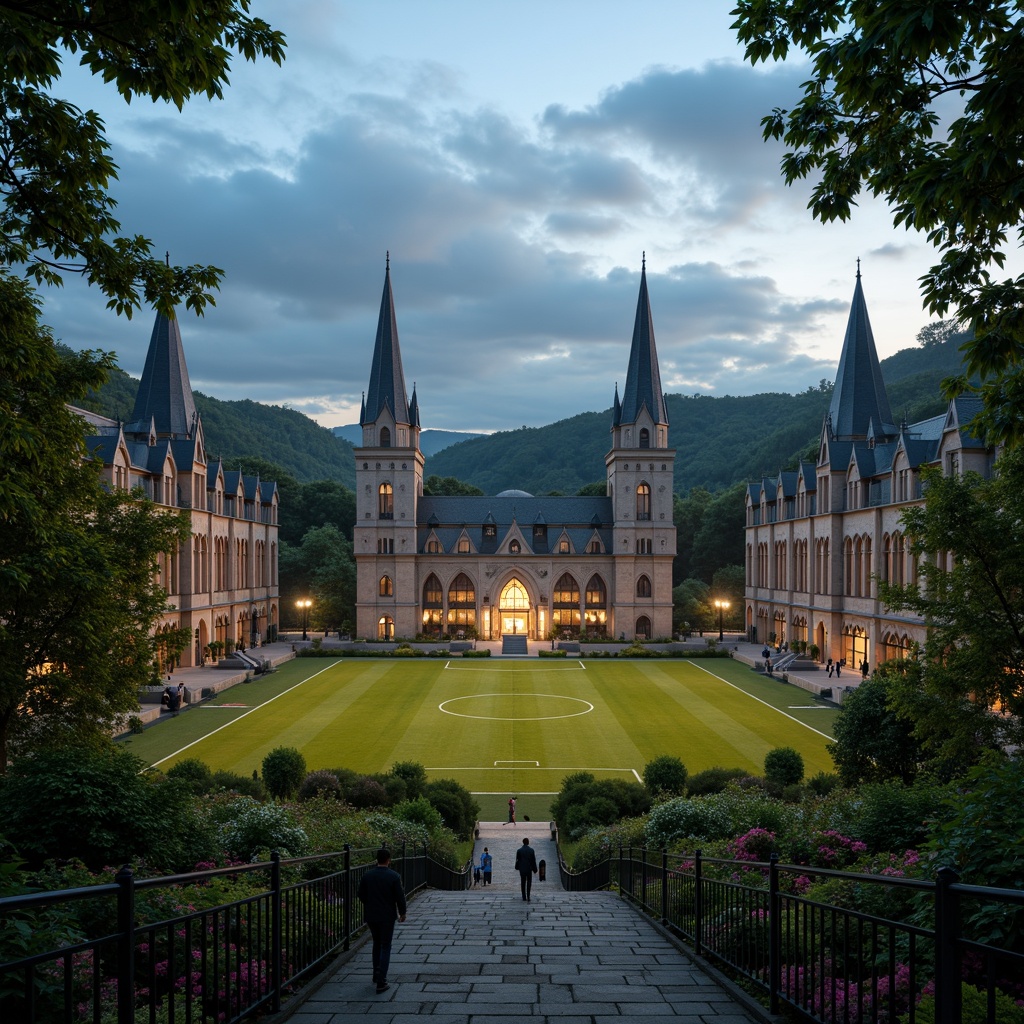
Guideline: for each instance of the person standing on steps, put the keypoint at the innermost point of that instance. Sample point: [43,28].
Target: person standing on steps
[526,865]
[383,899]
[485,866]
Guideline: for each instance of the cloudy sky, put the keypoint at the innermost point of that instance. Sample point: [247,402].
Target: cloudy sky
[516,159]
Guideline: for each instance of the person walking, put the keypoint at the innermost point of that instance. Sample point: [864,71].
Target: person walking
[383,899]
[511,812]
[485,866]
[526,865]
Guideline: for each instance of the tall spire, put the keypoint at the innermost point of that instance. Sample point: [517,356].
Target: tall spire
[643,378]
[387,382]
[859,398]
[165,393]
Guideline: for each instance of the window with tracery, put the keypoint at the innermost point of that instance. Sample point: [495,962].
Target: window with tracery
[643,502]
[461,602]
[565,603]
[387,587]
[643,586]
[385,502]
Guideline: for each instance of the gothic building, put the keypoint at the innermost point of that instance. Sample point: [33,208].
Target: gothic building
[513,564]
[224,586]
[819,538]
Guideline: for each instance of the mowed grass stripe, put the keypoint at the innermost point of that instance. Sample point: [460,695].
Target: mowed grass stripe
[366,715]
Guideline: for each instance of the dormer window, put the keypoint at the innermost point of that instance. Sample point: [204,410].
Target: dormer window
[645,438]
[514,547]
[385,437]
[463,546]
[490,530]
[563,547]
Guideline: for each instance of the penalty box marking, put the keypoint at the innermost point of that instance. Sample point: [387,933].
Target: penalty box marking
[463,667]
[634,772]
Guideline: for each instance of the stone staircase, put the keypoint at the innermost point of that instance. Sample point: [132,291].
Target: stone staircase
[514,643]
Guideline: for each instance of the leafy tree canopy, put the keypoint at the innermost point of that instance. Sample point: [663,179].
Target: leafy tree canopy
[918,104]
[78,590]
[969,539]
[449,486]
[57,213]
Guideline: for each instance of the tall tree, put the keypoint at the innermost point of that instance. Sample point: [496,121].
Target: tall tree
[918,104]
[969,538]
[57,213]
[322,568]
[79,593]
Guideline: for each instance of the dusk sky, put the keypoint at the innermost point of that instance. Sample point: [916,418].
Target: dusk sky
[516,160]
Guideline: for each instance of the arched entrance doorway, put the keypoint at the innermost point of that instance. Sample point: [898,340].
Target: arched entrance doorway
[514,608]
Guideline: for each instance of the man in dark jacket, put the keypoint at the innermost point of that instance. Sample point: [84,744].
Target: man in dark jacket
[526,865]
[383,899]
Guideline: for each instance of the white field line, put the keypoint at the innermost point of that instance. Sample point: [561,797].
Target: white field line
[536,764]
[238,719]
[638,779]
[491,667]
[764,702]
[548,769]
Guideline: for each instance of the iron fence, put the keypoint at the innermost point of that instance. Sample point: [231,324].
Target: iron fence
[137,964]
[865,949]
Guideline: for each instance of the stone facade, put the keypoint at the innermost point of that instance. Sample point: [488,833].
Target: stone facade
[821,537]
[225,586]
[513,563]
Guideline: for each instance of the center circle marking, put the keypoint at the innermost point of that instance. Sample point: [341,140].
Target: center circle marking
[587,707]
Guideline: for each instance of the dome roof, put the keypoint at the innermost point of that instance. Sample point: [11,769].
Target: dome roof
[513,493]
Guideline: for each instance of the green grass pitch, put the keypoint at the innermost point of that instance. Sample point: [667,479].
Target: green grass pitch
[500,727]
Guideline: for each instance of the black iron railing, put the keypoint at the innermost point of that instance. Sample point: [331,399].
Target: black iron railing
[867,953]
[220,963]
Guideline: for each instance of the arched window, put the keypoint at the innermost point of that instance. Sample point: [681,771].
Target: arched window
[643,628]
[385,628]
[385,502]
[643,586]
[386,588]
[514,547]
[461,603]
[643,501]
[595,612]
[565,604]
[645,438]
[385,437]
[432,595]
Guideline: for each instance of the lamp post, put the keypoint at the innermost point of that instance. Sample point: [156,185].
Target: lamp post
[305,604]
[721,606]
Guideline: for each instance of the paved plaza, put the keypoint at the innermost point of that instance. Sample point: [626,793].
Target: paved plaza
[486,957]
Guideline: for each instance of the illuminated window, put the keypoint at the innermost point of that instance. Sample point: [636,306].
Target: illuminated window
[643,502]
[387,588]
[385,502]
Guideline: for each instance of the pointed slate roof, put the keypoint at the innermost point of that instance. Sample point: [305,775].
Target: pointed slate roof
[165,394]
[387,382]
[859,398]
[643,378]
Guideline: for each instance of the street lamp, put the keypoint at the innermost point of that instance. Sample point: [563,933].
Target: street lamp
[721,606]
[305,605]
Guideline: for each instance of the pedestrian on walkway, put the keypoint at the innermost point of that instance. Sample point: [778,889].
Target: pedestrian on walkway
[526,865]
[485,866]
[829,666]
[511,812]
[383,899]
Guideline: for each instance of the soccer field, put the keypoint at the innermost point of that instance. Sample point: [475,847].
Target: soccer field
[500,726]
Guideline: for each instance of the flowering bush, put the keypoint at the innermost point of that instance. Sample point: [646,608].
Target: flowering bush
[249,828]
[757,844]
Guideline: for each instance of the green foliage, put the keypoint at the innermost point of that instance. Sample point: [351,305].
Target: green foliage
[823,783]
[974,652]
[713,780]
[783,767]
[683,819]
[420,810]
[873,742]
[980,828]
[455,804]
[449,485]
[250,830]
[193,775]
[224,781]
[56,169]
[284,769]
[323,569]
[584,802]
[875,114]
[78,594]
[413,774]
[319,785]
[94,802]
[974,1008]
[896,817]
[665,775]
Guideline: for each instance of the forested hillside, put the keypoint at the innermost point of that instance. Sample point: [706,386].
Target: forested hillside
[240,429]
[720,441]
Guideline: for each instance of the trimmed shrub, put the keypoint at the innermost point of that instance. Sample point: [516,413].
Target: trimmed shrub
[365,792]
[783,767]
[665,775]
[824,783]
[413,774]
[704,818]
[713,780]
[191,774]
[455,804]
[322,783]
[421,811]
[249,829]
[284,768]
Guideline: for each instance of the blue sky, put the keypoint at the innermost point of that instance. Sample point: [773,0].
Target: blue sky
[516,160]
